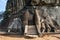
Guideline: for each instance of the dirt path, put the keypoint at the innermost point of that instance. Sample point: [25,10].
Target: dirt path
[15,37]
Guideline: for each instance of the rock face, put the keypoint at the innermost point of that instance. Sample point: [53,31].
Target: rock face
[54,11]
[15,26]
[13,5]
[12,9]
[31,11]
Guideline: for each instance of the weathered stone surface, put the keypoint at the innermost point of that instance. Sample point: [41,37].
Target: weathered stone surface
[55,13]
[14,5]
[12,9]
[15,25]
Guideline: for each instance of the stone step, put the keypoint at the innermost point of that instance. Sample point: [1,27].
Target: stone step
[31,31]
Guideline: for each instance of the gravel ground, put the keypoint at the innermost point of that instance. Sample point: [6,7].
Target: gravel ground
[16,37]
